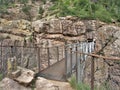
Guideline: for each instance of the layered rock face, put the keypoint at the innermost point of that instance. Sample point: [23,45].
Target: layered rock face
[71,29]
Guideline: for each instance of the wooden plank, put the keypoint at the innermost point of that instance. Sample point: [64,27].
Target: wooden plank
[79,70]
[65,61]
[57,53]
[92,73]
[48,57]
[98,56]
[76,65]
[39,61]
[70,60]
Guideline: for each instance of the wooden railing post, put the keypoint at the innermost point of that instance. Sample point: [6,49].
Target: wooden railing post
[39,61]
[92,73]
[12,51]
[1,63]
[57,53]
[70,60]
[65,48]
[48,53]
[76,63]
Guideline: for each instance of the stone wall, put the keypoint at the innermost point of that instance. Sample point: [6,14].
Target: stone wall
[59,30]
[71,29]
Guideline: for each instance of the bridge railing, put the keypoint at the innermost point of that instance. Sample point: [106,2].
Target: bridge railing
[92,59]
[72,58]
[28,56]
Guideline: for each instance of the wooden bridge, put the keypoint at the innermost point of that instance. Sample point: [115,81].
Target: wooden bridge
[68,59]
[64,68]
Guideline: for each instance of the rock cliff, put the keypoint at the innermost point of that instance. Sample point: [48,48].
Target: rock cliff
[71,29]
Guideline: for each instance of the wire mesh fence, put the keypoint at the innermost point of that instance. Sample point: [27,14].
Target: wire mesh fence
[28,56]
[77,58]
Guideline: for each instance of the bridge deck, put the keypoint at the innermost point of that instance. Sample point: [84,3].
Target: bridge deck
[55,72]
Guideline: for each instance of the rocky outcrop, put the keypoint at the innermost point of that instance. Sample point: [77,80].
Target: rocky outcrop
[65,27]
[40,84]
[26,76]
[57,31]
[114,74]
[106,71]
[16,29]
[38,26]
[73,29]
[55,26]
[44,84]
[9,84]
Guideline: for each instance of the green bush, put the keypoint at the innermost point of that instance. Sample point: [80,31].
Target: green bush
[41,10]
[3,9]
[26,9]
[1,77]
[44,1]
[78,86]
[73,82]
[82,86]
[23,1]
[102,14]
[104,10]
[4,5]
[103,86]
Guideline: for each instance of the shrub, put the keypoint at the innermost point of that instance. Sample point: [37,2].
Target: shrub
[78,86]
[41,10]
[23,1]
[26,9]
[104,10]
[73,82]
[1,76]
[103,86]
[44,1]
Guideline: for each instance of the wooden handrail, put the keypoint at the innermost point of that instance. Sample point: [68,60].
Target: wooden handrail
[98,56]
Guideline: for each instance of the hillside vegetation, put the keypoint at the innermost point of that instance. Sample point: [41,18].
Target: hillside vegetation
[104,10]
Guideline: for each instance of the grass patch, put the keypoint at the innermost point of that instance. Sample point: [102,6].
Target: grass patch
[104,10]
[1,77]
[103,86]
[78,86]
[82,86]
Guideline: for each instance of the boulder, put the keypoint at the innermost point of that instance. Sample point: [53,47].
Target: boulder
[26,76]
[55,26]
[44,84]
[93,25]
[9,84]
[38,26]
[16,74]
[15,28]
[79,27]
[61,85]
[114,76]
[73,28]
[68,28]
[24,24]
[1,28]
[19,24]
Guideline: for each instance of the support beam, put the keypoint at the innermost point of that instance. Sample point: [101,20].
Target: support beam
[98,56]
[92,73]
